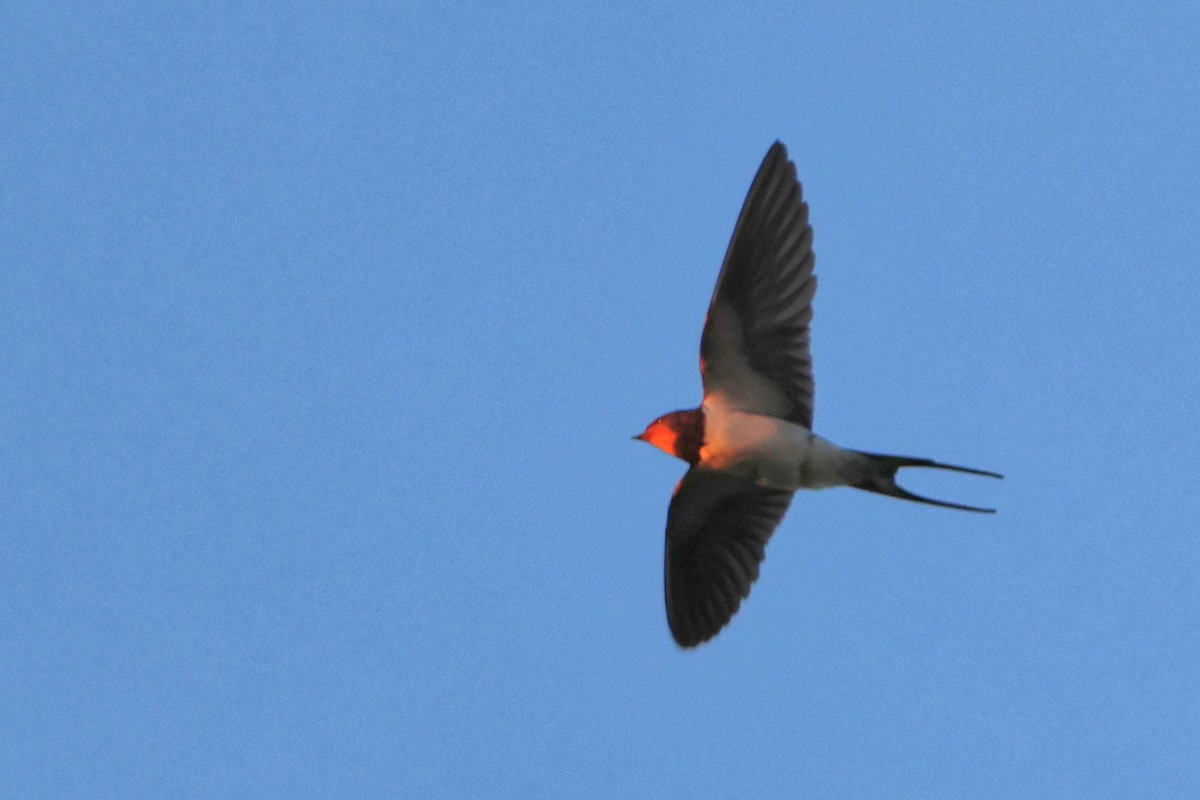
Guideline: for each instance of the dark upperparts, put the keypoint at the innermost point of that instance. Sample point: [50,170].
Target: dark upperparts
[689,430]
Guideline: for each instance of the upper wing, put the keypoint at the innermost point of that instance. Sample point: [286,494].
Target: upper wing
[717,532]
[754,354]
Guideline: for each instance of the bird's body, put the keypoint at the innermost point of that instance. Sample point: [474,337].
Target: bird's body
[750,444]
[772,452]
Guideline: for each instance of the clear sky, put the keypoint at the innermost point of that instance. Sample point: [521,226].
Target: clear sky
[324,328]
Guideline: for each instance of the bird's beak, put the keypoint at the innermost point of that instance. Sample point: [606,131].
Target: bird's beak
[641,437]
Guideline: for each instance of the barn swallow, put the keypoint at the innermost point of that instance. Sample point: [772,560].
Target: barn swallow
[750,444]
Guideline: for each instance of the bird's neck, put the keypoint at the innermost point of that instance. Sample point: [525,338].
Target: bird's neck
[689,438]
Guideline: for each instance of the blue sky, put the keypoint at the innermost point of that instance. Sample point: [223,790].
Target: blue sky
[324,330]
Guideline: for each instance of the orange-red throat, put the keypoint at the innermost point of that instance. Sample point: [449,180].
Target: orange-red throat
[679,434]
[661,435]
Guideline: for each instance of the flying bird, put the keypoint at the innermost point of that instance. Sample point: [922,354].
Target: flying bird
[750,444]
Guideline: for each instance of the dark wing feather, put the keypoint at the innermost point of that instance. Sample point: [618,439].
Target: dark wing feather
[717,532]
[754,354]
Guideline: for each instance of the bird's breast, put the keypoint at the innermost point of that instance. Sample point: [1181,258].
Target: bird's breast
[770,451]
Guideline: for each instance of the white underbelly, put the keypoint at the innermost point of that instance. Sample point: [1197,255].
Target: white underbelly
[770,451]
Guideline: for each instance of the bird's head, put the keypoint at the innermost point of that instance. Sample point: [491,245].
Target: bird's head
[679,434]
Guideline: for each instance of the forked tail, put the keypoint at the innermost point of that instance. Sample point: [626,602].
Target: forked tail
[882,479]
